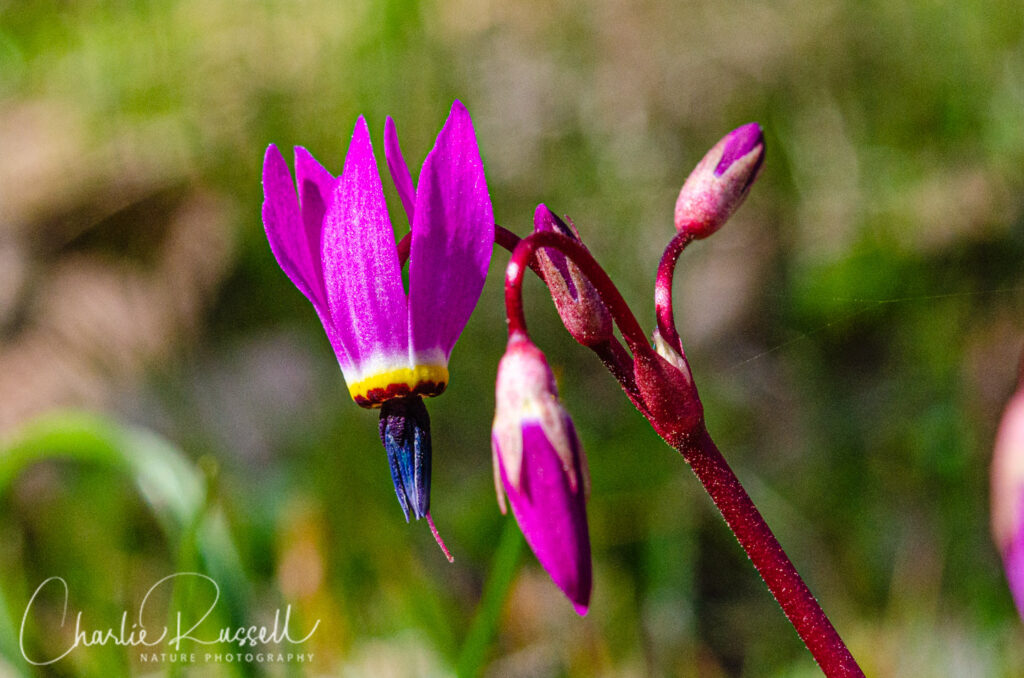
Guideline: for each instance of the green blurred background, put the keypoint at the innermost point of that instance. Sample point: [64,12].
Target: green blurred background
[854,330]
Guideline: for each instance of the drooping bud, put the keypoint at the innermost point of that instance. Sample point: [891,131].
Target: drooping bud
[405,431]
[540,465]
[1008,496]
[720,182]
[580,307]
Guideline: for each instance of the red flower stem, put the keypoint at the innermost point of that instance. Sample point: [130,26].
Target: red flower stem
[663,290]
[502,237]
[739,511]
[506,238]
[765,552]
[524,254]
[696,446]
[404,246]
[611,353]
[619,362]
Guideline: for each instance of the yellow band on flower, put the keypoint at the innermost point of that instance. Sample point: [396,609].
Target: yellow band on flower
[424,380]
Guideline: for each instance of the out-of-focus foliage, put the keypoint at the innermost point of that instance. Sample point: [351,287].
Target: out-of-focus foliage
[854,330]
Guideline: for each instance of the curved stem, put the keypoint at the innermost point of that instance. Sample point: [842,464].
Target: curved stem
[505,238]
[524,254]
[765,552]
[611,353]
[739,511]
[663,290]
[691,440]
[502,237]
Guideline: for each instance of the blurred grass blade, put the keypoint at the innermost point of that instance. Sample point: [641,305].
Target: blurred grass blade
[165,479]
[485,623]
[9,649]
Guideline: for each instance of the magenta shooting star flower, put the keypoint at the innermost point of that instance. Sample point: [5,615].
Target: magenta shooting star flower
[1008,495]
[335,242]
[539,464]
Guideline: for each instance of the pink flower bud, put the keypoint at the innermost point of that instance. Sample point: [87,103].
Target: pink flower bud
[539,464]
[1008,496]
[720,182]
[581,308]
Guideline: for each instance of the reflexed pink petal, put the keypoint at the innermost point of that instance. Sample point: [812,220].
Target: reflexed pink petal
[293,239]
[316,189]
[452,239]
[399,170]
[361,271]
[553,516]
[282,220]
